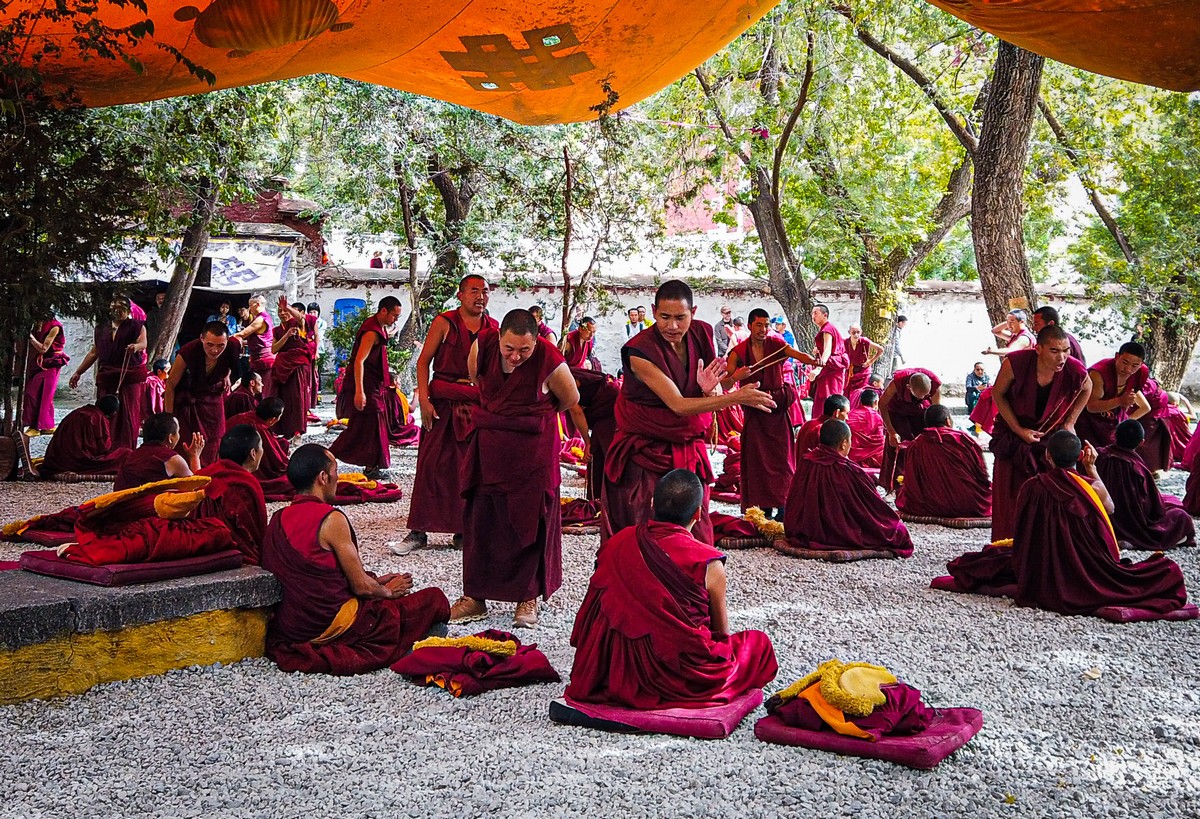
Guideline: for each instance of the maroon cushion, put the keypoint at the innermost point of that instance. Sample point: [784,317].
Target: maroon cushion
[128,574]
[716,722]
[951,729]
[1130,614]
[9,565]
[948,583]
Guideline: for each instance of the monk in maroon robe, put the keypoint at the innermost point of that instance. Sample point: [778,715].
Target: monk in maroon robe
[45,361]
[1156,450]
[235,495]
[833,504]
[902,408]
[403,429]
[1178,425]
[866,424]
[119,351]
[544,330]
[945,475]
[244,397]
[1048,317]
[665,409]
[595,416]
[274,461]
[861,353]
[83,442]
[653,630]
[196,387]
[335,616]
[512,526]
[768,458]
[364,442]
[157,458]
[1141,516]
[258,336]
[156,386]
[1036,392]
[830,357]
[809,436]
[446,399]
[577,346]
[874,384]
[1116,395]
[291,371]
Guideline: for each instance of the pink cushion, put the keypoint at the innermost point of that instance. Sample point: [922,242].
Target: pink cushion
[951,729]
[128,574]
[727,497]
[716,722]
[1129,614]
[9,565]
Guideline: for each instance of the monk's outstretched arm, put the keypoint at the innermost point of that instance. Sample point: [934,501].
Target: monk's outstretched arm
[84,366]
[1080,402]
[252,329]
[335,536]
[173,379]
[562,384]
[668,392]
[433,342]
[715,582]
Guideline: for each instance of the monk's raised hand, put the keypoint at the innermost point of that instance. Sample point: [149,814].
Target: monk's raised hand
[751,396]
[197,444]
[710,377]
[740,373]
[428,413]
[1087,458]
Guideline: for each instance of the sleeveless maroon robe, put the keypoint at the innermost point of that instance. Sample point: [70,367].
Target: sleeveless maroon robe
[122,376]
[146,464]
[259,347]
[83,444]
[642,637]
[1142,516]
[1017,461]
[832,378]
[291,378]
[598,399]
[1100,428]
[235,497]
[580,350]
[512,526]
[200,396]
[364,442]
[239,401]
[858,373]
[768,459]
[314,590]
[868,431]
[437,503]
[41,377]
[945,476]
[907,415]
[652,440]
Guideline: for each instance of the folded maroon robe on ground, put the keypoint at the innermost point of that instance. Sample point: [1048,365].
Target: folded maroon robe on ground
[467,672]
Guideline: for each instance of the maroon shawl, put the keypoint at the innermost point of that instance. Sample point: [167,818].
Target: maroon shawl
[945,476]
[866,445]
[236,497]
[1141,516]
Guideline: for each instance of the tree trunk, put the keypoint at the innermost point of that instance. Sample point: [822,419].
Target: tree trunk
[457,195]
[997,211]
[567,306]
[191,251]
[1169,347]
[791,294]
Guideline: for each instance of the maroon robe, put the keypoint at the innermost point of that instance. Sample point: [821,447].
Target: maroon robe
[652,440]
[1076,349]
[402,430]
[275,457]
[866,445]
[858,372]
[833,505]
[314,591]
[581,351]
[1100,428]
[1141,516]
[832,378]
[156,390]
[437,503]
[124,375]
[598,399]
[1016,461]
[41,378]
[291,377]
[467,672]
[239,401]
[146,464]
[1180,431]
[235,497]
[512,527]
[149,540]
[945,477]
[364,442]
[768,458]
[809,437]
[907,415]
[83,444]
[1156,450]
[200,396]
[259,347]
[642,637]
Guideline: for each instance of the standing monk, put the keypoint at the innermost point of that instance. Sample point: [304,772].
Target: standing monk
[195,389]
[446,400]
[512,529]
[364,442]
[595,418]
[902,408]
[862,354]
[831,358]
[120,349]
[258,336]
[577,346]
[768,459]
[1115,396]
[1048,317]
[1037,391]
[671,388]
[291,371]
[46,360]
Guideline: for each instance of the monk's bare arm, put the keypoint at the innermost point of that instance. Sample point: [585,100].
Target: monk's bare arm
[1142,407]
[278,343]
[1098,403]
[252,329]
[562,384]
[732,376]
[43,346]
[1080,402]
[433,342]
[473,362]
[884,401]
[335,536]
[1087,467]
[579,418]
[715,581]
[825,351]
[874,351]
[173,379]
[84,366]
[140,344]
[286,311]
[935,397]
[1183,403]
[364,349]
[177,467]
[669,394]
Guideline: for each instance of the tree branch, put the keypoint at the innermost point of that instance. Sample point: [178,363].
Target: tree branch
[791,123]
[954,206]
[710,95]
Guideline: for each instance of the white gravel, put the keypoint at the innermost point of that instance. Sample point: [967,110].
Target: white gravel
[248,740]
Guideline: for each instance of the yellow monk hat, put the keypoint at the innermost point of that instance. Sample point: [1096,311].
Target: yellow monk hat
[853,688]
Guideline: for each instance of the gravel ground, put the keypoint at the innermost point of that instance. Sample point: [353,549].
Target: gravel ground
[248,740]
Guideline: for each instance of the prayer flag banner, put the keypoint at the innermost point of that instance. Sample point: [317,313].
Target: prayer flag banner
[239,265]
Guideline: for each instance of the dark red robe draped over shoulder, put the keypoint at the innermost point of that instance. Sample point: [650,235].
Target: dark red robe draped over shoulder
[364,442]
[1017,461]
[858,373]
[808,437]
[1100,428]
[598,398]
[437,503]
[146,464]
[866,445]
[652,440]
[580,350]
[1141,516]
[642,637]
[832,378]
[315,590]
[291,376]
[945,476]
[239,401]
[41,377]
[235,497]
[124,375]
[768,458]
[512,533]
[200,396]
[907,415]
[83,444]
[275,450]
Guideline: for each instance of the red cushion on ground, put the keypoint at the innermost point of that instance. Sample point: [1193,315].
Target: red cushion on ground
[129,574]
[948,583]
[951,729]
[1128,614]
[9,565]
[700,723]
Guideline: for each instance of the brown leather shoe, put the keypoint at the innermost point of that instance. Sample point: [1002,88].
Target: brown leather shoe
[526,615]
[467,610]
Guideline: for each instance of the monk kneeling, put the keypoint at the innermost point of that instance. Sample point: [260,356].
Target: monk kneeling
[83,442]
[653,630]
[336,617]
[944,472]
[1141,515]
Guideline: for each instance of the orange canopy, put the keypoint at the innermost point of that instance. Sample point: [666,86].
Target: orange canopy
[543,61]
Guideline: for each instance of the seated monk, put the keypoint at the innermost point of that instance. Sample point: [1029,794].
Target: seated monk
[234,495]
[244,397]
[866,426]
[874,384]
[809,436]
[1064,555]
[944,472]
[402,428]
[1178,422]
[156,459]
[833,504]
[1140,516]
[263,418]
[335,616]
[653,630]
[83,442]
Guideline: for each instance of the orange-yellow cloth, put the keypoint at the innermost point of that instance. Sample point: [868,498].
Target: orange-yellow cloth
[831,716]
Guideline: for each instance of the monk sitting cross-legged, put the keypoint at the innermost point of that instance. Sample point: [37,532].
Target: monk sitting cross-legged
[1142,516]
[83,442]
[944,472]
[263,418]
[653,631]
[335,616]
[234,495]
[809,436]
[157,459]
[866,424]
